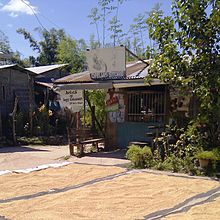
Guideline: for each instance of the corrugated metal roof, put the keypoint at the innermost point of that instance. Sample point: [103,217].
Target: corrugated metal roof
[86,86]
[135,83]
[76,77]
[136,70]
[49,85]
[140,74]
[7,66]
[43,69]
[15,66]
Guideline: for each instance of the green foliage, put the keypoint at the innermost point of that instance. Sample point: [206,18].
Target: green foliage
[4,43]
[210,155]
[174,163]
[116,31]
[140,157]
[21,120]
[30,140]
[49,45]
[138,30]
[216,152]
[95,18]
[93,43]
[69,52]
[188,56]
[27,36]
[56,47]
[41,122]
[97,99]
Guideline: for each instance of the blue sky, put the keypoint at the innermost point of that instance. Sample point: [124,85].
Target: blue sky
[71,15]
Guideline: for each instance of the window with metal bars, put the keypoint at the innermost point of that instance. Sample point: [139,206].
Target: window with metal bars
[2,93]
[146,106]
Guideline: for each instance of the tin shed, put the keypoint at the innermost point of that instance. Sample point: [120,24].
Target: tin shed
[15,81]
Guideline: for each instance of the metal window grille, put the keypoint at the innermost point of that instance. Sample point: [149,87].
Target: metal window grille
[3,93]
[146,106]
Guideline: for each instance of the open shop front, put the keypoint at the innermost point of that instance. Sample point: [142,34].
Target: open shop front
[135,111]
[132,108]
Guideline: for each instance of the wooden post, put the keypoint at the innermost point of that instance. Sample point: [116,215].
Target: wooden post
[71,123]
[78,121]
[84,108]
[93,120]
[30,85]
[0,124]
[13,114]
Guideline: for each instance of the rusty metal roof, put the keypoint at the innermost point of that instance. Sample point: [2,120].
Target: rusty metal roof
[135,70]
[76,77]
[49,85]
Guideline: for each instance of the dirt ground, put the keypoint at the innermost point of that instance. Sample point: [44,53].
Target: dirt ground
[12,158]
[98,190]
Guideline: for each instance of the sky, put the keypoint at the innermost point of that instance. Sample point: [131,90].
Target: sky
[70,15]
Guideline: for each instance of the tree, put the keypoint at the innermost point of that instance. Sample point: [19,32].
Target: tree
[69,52]
[188,58]
[106,9]
[47,47]
[15,57]
[4,43]
[140,26]
[100,14]
[27,36]
[115,28]
[95,18]
[92,43]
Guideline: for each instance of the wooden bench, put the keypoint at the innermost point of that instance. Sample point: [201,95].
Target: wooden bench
[95,142]
[83,138]
[141,144]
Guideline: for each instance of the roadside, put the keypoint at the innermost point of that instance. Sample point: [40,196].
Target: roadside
[13,158]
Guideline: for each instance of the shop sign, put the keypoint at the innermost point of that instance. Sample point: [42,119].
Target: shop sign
[106,63]
[112,104]
[115,107]
[72,99]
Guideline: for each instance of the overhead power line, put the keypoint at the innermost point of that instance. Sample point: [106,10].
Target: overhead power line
[34,14]
[50,21]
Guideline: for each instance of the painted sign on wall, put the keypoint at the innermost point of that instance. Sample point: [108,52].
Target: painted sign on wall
[72,99]
[115,107]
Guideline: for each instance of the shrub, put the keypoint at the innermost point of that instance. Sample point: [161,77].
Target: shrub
[173,162]
[41,122]
[30,140]
[216,152]
[140,157]
[160,165]
[206,155]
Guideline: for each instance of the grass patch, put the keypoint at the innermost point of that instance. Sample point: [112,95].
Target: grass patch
[30,141]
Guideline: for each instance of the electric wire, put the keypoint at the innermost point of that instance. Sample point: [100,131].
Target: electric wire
[46,18]
[34,14]
[50,21]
